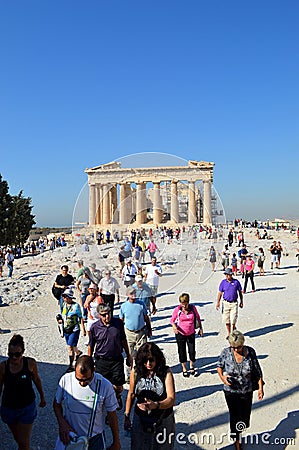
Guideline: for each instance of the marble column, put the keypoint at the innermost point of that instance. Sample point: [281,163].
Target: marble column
[191,203]
[92,204]
[207,204]
[174,209]
[98,203]
[122,204]
[157,204]
[106,204]
[139,203]
[114,209]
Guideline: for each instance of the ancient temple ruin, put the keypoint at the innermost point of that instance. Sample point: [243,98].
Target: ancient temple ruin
[156,195]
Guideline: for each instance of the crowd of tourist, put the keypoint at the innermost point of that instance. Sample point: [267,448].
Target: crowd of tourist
[93,383]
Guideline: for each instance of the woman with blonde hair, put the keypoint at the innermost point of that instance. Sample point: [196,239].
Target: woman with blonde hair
[241,374]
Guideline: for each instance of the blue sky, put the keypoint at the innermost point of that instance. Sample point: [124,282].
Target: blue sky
[85,83]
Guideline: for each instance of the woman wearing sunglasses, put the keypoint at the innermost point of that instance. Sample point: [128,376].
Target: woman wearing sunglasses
[152,385]
[18,408]
[241,374]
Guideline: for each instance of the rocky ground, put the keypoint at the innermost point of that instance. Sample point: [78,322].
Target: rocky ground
[269,320]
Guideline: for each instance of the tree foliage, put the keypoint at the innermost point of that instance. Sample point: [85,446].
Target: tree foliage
[16,218]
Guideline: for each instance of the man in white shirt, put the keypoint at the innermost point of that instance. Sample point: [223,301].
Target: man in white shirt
[152,274]
[108,287]
[76,390]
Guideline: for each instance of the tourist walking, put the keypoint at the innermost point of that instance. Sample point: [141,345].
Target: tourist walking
[280,250]
[18,407]
[109,288]
[72,320]
[153,272]
[128,273]
[274,254]
[230,288]
[152,386]
[249,273]
[225,257]
[62,282]
[213,257]
[74,401]
[9,258]
[241,374]
[144,293]
[184,320]
[107,342]
[152,248]
[82,284]
[260,260]
[91,303]
[134,314]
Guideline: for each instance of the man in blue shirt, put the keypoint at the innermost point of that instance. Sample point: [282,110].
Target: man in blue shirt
[229,288]
[134,314]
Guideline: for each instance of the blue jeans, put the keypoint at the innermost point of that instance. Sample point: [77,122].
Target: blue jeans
[10,269]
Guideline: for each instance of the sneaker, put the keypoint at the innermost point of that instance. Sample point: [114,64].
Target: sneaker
[78,356]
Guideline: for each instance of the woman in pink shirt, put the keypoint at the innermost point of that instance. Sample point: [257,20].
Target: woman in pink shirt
[249,266]
[183,321]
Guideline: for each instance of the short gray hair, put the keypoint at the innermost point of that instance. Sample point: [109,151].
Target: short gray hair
[102,307]
[236,338]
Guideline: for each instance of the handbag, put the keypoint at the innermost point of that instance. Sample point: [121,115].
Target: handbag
[56,292]
[196,321]
[255,375]
[82,442]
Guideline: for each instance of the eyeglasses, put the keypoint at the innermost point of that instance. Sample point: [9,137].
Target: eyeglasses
[15,354]
[105,314]
[150,360]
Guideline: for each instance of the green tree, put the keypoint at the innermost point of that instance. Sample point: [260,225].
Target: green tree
[22,219]
[16,218]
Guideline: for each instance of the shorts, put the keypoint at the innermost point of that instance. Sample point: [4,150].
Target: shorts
[154,290]
[72,338]
[24,415]
[229,312]
[274,258]
[234,269]
[113,370]
[90,322]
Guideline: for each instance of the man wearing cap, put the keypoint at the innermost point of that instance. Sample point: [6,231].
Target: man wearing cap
[144,293]
[106,341]
[133,312]
[96,273]
[152,274]
[229,288]
[128,273]
[108,288]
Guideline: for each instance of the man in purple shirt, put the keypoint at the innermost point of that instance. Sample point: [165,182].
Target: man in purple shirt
[229,288]
[107,341]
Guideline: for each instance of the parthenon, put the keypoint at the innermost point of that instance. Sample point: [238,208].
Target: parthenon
[122,195]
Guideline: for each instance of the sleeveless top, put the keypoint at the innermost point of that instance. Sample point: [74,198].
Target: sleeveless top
[153,389]
[18,391]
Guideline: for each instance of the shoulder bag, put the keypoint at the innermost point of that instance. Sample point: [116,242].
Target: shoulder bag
[82,442]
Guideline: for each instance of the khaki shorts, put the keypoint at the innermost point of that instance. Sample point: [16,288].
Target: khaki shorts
[229,312]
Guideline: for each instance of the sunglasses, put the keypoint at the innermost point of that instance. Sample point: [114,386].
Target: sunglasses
[105,314]
[184,303]
[15,354]
[150,360]
[84,380]
[236,348]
